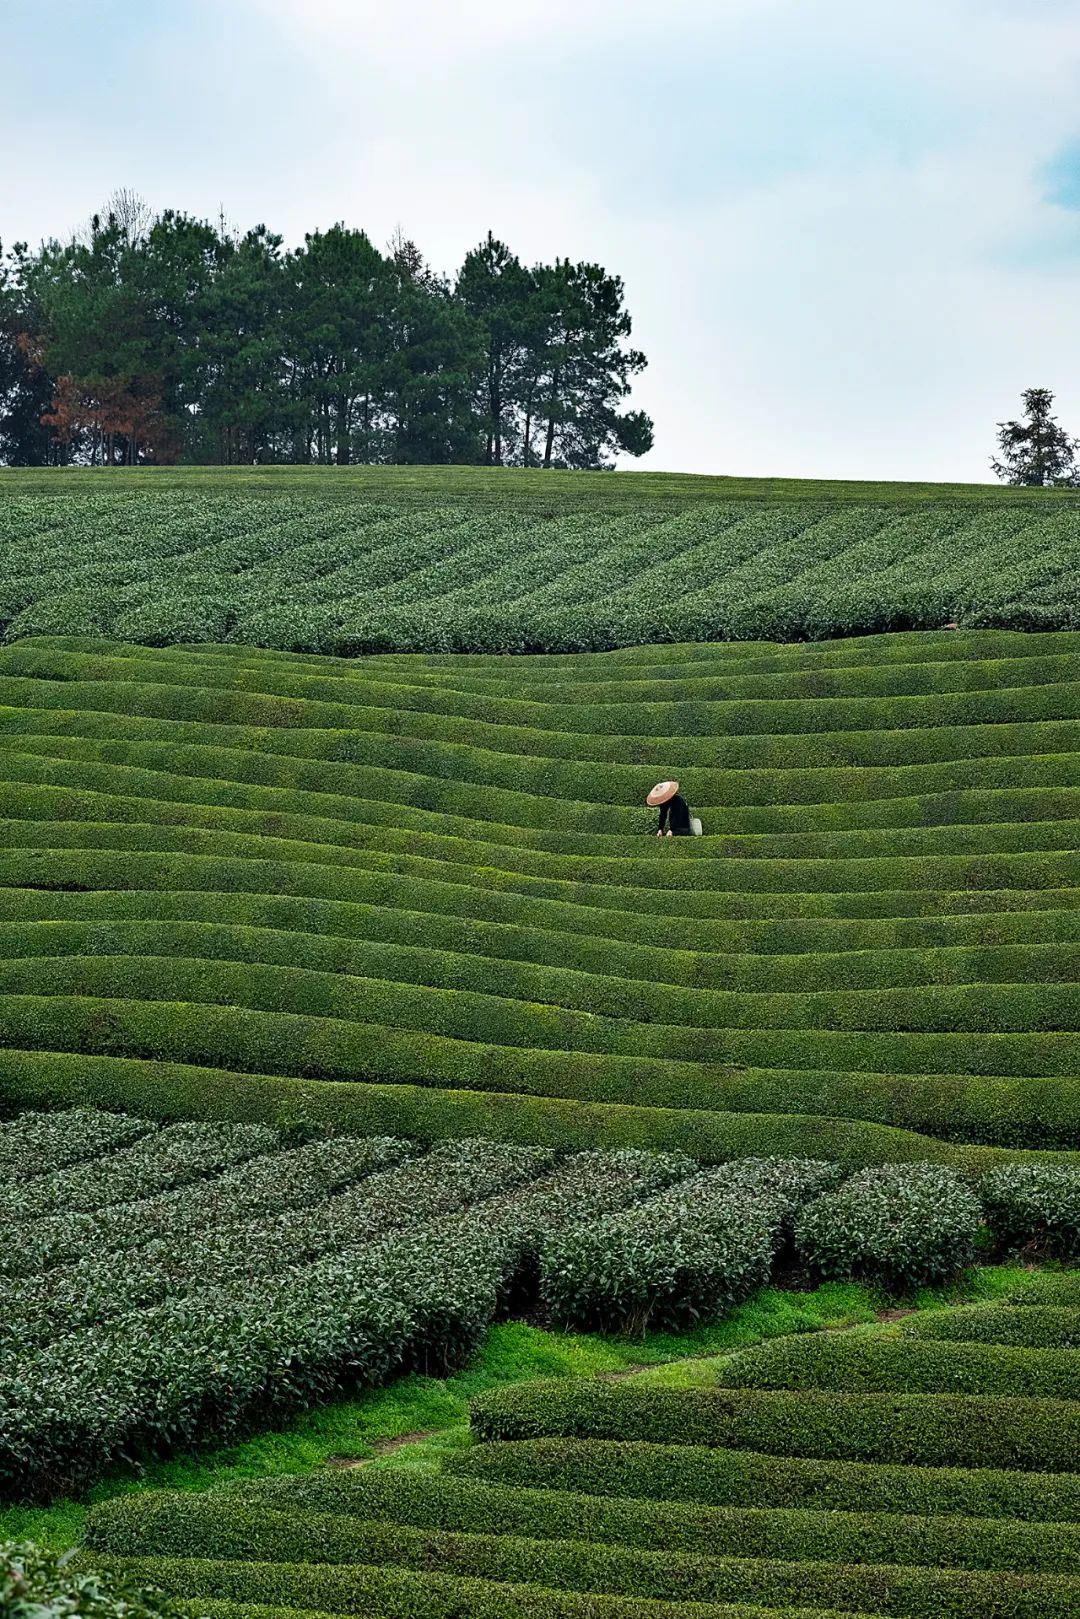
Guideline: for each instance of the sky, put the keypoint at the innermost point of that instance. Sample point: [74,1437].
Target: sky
[849,230]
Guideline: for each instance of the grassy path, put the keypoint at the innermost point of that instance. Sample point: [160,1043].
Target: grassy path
[418,1420]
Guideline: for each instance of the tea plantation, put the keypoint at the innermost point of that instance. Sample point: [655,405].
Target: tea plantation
[349,1006]
[463,560]
[421,897]
[923,1469]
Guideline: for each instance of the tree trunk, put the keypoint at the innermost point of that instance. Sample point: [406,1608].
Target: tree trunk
[343,447]
[549,442]
[526,443]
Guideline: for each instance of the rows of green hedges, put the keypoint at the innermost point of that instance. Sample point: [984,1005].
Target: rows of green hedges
[443,569]
[938,1430]
[714,1476]
[178,1286]
[422,895]
[726,1498]
[464,1501]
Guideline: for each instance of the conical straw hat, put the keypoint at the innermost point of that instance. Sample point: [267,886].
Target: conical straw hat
[663,791]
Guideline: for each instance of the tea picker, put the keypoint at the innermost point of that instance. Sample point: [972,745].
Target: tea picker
[675,818]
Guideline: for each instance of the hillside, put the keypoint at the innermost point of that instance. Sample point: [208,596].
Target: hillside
[919,1470]
[421,897]
[467,559]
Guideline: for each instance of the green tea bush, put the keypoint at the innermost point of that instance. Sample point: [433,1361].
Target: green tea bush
[204,1364]
[1040,1326]
[942,1430]
[873,1365]
[281,1230]
[166,1157]
[689,1253]
[39,1584]
[39,1143]
[420,897]
[1051,1288]
[719,1477]
[593,1567]
[904,1225]
[1034,1208]
[265,1590]
[130,1328]
[326,1520]
[366,571]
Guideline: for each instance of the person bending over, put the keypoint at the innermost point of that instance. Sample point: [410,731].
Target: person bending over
[675,819]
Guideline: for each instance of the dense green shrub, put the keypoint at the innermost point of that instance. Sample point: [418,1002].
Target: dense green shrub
[1040,1326]
[154,1161]
[214,1359]
[445,571]
[433,1113]
[121,1264]
[594,1567]
[1061,1289]
[309,1518]
[869,1364]
[1035,1208]
[39,1584]
[131,1328]
[419,896]
[689,1253]
[39,1143]
[901,1224]
[394,1183]
[268,1591]
[718,1477]
[944,1430]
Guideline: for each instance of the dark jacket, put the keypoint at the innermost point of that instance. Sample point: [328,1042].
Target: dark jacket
[676,813]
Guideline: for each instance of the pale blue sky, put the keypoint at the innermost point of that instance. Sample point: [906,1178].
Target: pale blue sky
[849,229]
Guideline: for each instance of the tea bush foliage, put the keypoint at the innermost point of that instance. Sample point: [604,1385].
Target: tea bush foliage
[419,897]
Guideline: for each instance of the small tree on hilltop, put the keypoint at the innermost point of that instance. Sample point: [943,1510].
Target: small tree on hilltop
[1036,452]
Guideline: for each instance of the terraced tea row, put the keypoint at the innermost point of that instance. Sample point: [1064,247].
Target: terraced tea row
[918,1470]
[167,1284]
[348,572]
[163,1285]
[418,897]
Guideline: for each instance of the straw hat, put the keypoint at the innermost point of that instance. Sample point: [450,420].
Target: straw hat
[662,792]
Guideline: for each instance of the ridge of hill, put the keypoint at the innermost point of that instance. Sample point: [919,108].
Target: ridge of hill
[419,896]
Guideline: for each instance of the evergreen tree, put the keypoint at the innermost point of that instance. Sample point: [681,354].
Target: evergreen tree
[244,411]
[498,293]
[150,337]
[435,353]
[340,300]
[584,367]
[1036,451]
[26,389]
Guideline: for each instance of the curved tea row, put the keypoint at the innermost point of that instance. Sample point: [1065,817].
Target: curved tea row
[920,1470]
[421,895]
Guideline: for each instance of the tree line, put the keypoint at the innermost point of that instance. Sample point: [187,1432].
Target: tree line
[160,338]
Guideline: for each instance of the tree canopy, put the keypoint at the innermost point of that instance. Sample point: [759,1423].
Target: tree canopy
[156,338]
[1036,451]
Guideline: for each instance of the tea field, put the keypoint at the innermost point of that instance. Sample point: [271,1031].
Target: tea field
[166,1287]
[352,1015]
[421,897]
[920,1468]
[460,559]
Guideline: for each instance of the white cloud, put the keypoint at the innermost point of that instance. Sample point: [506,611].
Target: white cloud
[867,302]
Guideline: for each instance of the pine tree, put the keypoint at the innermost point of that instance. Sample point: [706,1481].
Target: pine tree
[1036,452]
